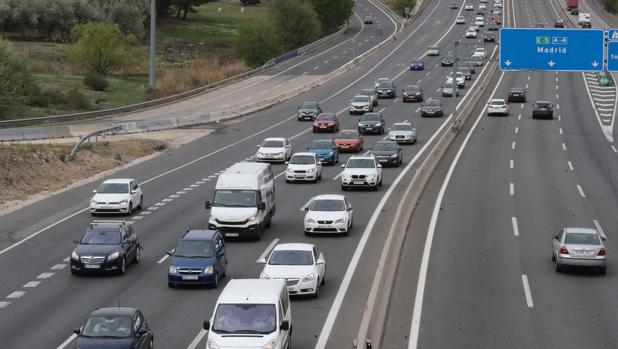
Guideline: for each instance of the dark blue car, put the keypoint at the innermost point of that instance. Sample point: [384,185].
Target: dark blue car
[198,259]
[115,327]
[326,150]
[417,64]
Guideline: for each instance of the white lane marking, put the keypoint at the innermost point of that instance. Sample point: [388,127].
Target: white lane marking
[511,164]
[137,218]
[267,250]
[279,174]
[302,209]
[526,86]
[180,192]
[417,110]
[559,118]
[427,74]
[160,204]
[581,191]
[515,226]
[563,146]
[146,213]
[166,256]
[45,275]
[560,130]
[599,229]
[4,304]
[316,67]
[556,89]
[188,189]
[524,279]
[438,90]
[16,294]
[167,200]
[66,259]
[130,222]
[512,188]
[419,81]
[519,117]
[513,146]
[381,110]
[556,79]
[528,77]
[32,284]
[193,186]
[570,165]
[395,100]
[614,149]
[197,339]
[522,106]
[422,276]
[335,57]
[153,208]
[67,341]
[557,106]
[516,129]
[58,267]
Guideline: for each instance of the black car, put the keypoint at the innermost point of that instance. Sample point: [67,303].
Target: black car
[454,5]
[542,109]
[492,27]
[586,25]
[447,61]
[368,20]
[412,93]
[386,89]
[371,123]
[489,37]
[388,153]
[432,107]
[107,246]
[308,110]
[115,327]
[559,23]
[465,71]
[469,65]
[516,94]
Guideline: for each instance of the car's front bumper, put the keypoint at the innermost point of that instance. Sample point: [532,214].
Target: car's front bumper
[191,279]
[348,147]
[360,109]
[370,129]
[402,138]
[300,176]
[269,157]
[497,111]
[299,287]
[387,160]
[417,67]
[236,231]
[110,208]
[359,182]
[386,94]
[431,114]
[78,266]
[305,116]
[324,227]
[415,98]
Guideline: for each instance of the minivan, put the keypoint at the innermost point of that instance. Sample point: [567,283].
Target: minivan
[251,313]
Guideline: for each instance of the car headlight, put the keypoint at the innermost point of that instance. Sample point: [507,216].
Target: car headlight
[340,220]
[209,270]
[264,276]
[360,124]
[172,270]
[309,277]
[93,202]
[393,156]
[331,153]
[74,256]
[366,107]
[379,124]
[252,218]
[289,170]
[309,220]
[371,175]
[310,170]
[269,345]
[123,202]
[114,255]
[211,344]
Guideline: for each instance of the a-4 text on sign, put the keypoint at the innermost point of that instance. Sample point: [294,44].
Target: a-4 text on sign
[551,49]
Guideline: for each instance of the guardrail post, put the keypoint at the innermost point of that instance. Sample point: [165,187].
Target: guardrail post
[82,139]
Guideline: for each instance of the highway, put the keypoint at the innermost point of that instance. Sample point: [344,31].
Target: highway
[485,224]
[42,302]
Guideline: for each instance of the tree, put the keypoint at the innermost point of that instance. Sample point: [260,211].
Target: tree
[400,5]
[332,13]
[186,6]
[102,48]
[16,83]
[295,21]
[257,42]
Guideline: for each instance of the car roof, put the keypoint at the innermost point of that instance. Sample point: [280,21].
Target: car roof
[199,234]
[118,180]
[581,230]
[305,153]
[252,291]
[542,101]
[386,142]
[294,246]
[348,130]
[497,100]
[328,197]
[402,123]
[516,89]
[366,157]
[274,139]
[114,311]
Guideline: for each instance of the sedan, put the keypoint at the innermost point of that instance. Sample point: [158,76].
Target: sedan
[308,111]
[304,167]
[402,132]
[579,247]
[326,150]
[448,89]
[388,153]
[371,123]
[492,27]
[361,104]
[275,149]
[349,140]
[469,7]
[386,89]
[371,93]
[433,51]
[412,93]
[497,106]
[460,20]
[302,266]
[489,37]
[432,107]
[454,6]
[121,195]
[328,214]
[368,20]
[516,94]
[326,122]
[469,65]
[542,109]
[417,64]
[115,327]
[447,61]
[471,33]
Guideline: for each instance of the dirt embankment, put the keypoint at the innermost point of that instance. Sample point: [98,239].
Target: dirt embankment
[29,169]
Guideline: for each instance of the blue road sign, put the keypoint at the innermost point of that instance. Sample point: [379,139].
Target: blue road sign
[612,34]
[612,56]
[551,49]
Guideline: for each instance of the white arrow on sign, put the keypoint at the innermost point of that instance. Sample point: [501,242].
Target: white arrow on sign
[551,63]
[507,62]
[595,64]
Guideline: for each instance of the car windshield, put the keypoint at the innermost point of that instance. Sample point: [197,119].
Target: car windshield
[302,160]
[367,92]
[326,117]
[360,99]
[361,163]
[543,104]
[401,127]
[386,84]
[235,198]
[384,147]
[113,188]
[327,205]
[322,144]
[195,249]
[516,90]
[101,237]
[412,88]
[107,327]
[347,135]
[371,117]
[245,319]
[431,103]
[417,60]
[271,143]
[309,105]
[497,103]
[581,239]
[291,257]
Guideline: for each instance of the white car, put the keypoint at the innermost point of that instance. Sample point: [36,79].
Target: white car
[361,171]
[497,106]
[475,27]
[470,33]
[460,20]
[303,167]
[275,149]
[469,7]
[482,6]
[361,104]
[480,52]
[121,195]
[480,21]
[328,214]
[460,79]
[302,266]
[402,132]
[498,5]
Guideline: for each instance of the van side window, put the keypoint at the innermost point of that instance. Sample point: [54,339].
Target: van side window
[281,312]
[285,301]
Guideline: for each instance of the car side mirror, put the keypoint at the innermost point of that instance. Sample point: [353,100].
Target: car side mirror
[76,241]
[142,331]
[262,206]
[208,205]
[77,330]
[379,166]
[262,260]
[285,325]
[343,166]
[603,238]
[94,191]
[171,252]
[320,261]
[206,325]
[287,162]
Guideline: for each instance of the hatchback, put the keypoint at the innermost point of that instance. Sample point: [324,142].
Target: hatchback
[417,64]
[579,247]
[542,109]
[115,327]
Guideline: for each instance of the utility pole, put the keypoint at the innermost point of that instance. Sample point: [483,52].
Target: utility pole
[152,68]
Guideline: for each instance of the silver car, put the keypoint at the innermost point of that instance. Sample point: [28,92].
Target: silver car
[371,93]
[360,105]
[402,132]
[580,247]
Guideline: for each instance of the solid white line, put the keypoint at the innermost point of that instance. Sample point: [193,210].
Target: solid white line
[614,149]
[511,164]
[45,275]
[267,250]
[512,188]
[197,339]
[513,146]
[4,304]
[524,279]
[581,191]
[163,259]
[58,267]
[570,165]
[67,341]
[599,229]
[563,146]
[515,226]
[16,294]
[31,284]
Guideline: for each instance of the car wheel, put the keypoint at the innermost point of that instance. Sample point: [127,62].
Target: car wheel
[141,202]
[138,255]
[130,210]
[320,175]
[558,268]
[287,180]
[553,257]
[74,272]
[123,266]
[171,284]
[344,188]
[224,274]
[316,294]
[380,182]
[216,283]
[602,270]
[151,344]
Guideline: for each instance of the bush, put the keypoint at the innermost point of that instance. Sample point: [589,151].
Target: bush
[77,100]
[97,82]
[45,98]
[16,83]
[257,42]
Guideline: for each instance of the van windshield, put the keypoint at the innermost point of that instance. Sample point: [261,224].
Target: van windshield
[245,318]
[235,198]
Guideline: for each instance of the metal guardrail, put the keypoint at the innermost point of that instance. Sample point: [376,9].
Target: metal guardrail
[71,155]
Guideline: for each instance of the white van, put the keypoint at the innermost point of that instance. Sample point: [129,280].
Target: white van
[244,200]
[251,313]
[583,17]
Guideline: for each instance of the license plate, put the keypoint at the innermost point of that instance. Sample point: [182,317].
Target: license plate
[92,266]
[369,128]
[382,160]
[323,126]
[231,234]
[189,277]
[358,182]
[107,207]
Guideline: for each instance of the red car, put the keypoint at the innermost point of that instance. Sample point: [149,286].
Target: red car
[349,140]
[326,122]
[496,19]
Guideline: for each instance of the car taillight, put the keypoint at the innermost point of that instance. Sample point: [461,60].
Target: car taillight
[602,252]
[563,250]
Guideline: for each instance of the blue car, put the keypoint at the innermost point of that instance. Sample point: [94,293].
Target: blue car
[417,64]
[326,150]
[198,259]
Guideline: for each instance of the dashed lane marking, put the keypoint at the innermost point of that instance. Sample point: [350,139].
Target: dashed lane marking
[160,204]
[511,163]
[581,191]
[511,188]
[563,146]
[45,275]
[516,130]
[66,259]
[614,149]
[58,267]
[163,259]
[599,229]
[16,294]
[32,284]
[137,218]
[515,226]
[570,165]
[529,303]
[268,248]
[513,146]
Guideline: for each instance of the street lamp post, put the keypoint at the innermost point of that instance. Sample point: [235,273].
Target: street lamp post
[152,68]
[455,88]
